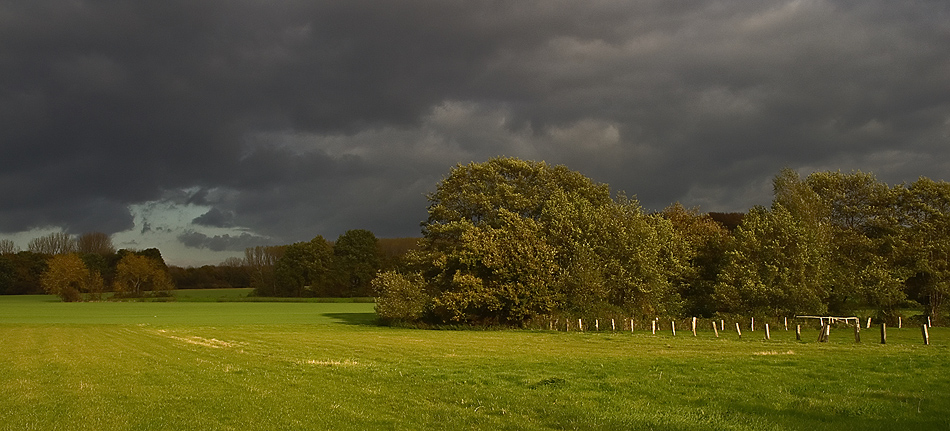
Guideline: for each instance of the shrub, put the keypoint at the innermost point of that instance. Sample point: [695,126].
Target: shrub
[399,298]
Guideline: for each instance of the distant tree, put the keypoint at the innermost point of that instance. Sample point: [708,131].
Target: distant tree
[356,260]
[68,278]
[7,274]
[233,261]
[8,247]
[95,243]
[104,265]
[203,277]
[155,255]
[53,244]
[303,266]
[260,262]
[137,274]
[394,251]
[28,269]
[234,272]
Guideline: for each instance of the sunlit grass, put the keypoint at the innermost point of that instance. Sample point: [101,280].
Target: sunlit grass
[262,366]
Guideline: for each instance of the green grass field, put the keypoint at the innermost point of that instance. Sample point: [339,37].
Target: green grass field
[300,366]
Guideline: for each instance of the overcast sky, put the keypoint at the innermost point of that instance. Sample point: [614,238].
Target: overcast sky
[204,127]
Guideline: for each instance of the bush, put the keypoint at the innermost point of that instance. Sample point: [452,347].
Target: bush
[399,298]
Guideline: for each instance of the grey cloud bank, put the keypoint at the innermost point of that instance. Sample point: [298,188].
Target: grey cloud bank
[220,123]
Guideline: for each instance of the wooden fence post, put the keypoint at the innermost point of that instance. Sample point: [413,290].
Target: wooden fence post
[899,323]
[752,326]
[673,325]
[631,326]
[786,323]
[597,324]
[714,329]
[926,335]
[869,323]
[613,325]
[580,325]
[694,326]
[738,331]
[857,331]
[654,327]
[768,336]
[883,333]
[798,332]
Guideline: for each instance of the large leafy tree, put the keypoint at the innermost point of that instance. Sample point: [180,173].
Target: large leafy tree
[495,274]
[68,278]
[863,268]
[774,267]
[475,192]
[508,240]
[925,206]
[779,262]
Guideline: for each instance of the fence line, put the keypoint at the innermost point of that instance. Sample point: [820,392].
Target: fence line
[630,323]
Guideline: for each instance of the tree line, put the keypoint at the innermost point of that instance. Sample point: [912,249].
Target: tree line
[84,267]
[79,268]
[507,241]
[257,268]
[320,268]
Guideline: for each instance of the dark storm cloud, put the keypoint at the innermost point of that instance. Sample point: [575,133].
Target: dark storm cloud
[297,118]
[215,218]
[224,242]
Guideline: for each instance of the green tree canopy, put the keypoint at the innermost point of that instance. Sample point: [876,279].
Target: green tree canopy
[356,262]
[779,262]
[508,240]
[862,270]
[304,267]
[926,253]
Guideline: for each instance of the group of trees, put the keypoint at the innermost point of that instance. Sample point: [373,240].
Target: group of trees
[80,268]
[85,266]
[510,240]
[343,268]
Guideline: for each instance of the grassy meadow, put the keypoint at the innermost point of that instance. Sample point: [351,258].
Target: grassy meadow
[299,366]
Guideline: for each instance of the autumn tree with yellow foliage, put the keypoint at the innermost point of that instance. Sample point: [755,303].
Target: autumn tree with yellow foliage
[136,275]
